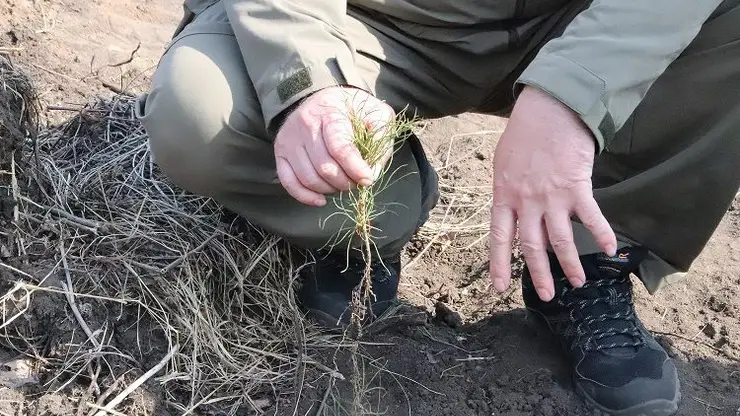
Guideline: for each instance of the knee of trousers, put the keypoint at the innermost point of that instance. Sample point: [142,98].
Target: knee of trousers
[193,141]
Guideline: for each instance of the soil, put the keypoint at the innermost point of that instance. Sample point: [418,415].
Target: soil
[474,353]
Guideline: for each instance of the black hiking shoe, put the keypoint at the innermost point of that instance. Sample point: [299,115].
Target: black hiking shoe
[618,367]
[326,293]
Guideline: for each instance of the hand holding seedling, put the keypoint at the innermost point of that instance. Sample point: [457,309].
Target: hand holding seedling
[542,175]
[314,150]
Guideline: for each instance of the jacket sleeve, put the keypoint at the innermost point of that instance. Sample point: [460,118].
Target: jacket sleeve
[292,48]
[609,56]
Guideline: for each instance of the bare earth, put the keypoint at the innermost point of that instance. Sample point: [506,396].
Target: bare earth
[477,354]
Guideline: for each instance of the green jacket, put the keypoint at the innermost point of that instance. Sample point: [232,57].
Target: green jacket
[601,67]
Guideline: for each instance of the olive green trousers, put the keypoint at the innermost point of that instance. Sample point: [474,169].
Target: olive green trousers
[664,182]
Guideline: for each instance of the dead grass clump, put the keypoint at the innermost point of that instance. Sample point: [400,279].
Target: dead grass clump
[18,111]
[166,264]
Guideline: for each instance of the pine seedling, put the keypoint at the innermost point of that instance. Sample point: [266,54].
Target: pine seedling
[374,143]
[360,211]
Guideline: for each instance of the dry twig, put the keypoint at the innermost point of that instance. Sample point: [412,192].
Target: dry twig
[700,342]
[130,58]
[138,382]
[68,288]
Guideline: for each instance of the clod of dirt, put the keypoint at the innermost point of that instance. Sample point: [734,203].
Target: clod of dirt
[52,405]
[503,381]
[480,406]
[717,304]
[735,204]
[668,346]
[721,342]
[709,331]
[12,402]
[18,373]
[444,314]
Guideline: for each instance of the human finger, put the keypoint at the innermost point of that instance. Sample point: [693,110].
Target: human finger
[328,168]
[307,174]
[338,139]
[533,242]
[294,187]
[501,237]
[591,217]
[560,235]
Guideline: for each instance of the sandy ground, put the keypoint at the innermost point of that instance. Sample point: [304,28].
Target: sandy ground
[476,354]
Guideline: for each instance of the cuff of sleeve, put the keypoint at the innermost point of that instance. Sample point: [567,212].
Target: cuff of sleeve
[576,87]
[303,79]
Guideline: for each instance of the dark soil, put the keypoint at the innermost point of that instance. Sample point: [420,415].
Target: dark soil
[474,353]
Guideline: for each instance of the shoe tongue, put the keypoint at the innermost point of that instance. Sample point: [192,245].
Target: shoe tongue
[626,261]
[612,268]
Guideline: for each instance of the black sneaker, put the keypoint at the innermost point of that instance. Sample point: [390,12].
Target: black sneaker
[618,367]
[326,292]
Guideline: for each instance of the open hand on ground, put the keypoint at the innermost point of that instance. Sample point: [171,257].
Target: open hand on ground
[314,150]
[542,176]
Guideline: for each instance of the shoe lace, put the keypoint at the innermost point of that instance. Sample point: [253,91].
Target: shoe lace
[595,330]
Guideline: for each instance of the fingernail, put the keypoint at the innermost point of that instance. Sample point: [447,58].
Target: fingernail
[367,177]
[320,202]
[546,294]
[611,250]
[499,285]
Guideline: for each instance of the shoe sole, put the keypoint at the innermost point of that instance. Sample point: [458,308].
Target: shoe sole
[659,407]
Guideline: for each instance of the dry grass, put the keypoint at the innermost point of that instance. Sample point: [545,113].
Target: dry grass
[462,213]
[216,294]
[18,108]
[208,299]
[18,116]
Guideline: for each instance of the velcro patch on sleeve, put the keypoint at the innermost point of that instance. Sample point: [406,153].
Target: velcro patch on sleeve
[296,83]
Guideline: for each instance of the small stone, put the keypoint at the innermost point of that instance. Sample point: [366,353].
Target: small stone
[18,373]
[709,331]
[480,155]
